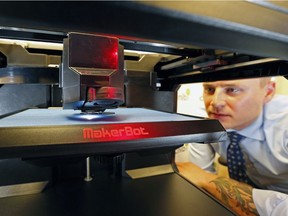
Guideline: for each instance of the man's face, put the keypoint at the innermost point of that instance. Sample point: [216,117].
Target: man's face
[235,103]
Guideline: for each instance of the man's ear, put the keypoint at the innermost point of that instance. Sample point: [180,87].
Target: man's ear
[270,89]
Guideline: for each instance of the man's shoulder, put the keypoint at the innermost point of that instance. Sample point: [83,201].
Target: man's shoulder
[277,108]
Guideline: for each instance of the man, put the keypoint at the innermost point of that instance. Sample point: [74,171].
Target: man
[249,107]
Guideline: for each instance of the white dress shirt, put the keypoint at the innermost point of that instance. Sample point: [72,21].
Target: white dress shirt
[270,203]
[265,147]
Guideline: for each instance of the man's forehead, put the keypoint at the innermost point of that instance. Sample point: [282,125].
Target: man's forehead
[231,82]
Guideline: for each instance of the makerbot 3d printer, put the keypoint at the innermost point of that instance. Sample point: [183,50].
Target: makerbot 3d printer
[97,133]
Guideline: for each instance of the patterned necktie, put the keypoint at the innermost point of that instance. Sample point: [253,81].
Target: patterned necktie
[235,159]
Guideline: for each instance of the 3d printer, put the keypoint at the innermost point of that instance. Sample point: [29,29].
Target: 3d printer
[131,148]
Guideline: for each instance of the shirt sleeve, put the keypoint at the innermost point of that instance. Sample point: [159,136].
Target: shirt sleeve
[270,203]
[202,155]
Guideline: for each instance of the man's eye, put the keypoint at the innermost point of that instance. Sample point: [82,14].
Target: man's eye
[209,90]
[232,90]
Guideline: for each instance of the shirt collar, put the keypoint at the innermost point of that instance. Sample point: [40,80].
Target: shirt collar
[254,131]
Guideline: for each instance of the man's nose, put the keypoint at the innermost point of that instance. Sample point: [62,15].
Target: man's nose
[219,99]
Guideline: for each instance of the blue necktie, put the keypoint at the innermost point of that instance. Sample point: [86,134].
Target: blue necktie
[235,159]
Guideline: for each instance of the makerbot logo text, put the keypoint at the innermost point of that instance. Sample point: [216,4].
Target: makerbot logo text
[89,133]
